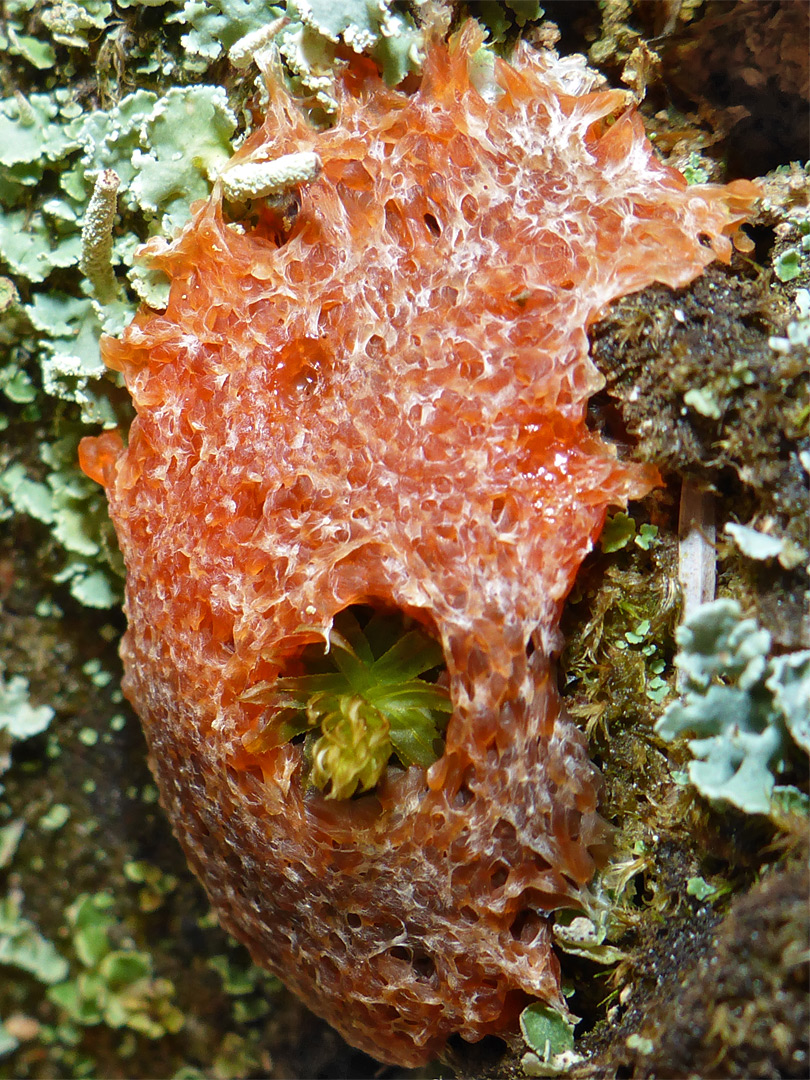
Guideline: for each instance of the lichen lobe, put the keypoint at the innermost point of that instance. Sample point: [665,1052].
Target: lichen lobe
[379,398]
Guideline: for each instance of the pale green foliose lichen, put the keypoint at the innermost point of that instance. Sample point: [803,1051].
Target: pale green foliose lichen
[23,947]
[74,507]
[748,710]
[798,329]
[18,716]
[10,836]
[754,543]
[17,42]
[364,26]
[306,33]
[216,25]
[761,546]
[166,151]
[582,935]
[167,146]
[71,22]
[500,18]
[551,1038]
[188,134]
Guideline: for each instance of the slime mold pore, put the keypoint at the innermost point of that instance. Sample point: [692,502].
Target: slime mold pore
[380,399]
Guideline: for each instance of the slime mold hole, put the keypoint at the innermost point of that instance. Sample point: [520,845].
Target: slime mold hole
[375,694]
[526,925]
[433,225]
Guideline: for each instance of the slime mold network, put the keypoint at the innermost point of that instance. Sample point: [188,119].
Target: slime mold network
[376,399]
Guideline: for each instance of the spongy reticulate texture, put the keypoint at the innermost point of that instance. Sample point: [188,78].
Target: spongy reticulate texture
[378,397]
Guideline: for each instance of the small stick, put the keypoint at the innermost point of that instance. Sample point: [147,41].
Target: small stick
[696,550]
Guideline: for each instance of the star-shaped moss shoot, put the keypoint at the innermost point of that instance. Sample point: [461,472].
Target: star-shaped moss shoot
[371,695]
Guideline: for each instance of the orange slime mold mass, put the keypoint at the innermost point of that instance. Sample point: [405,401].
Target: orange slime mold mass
[384,402]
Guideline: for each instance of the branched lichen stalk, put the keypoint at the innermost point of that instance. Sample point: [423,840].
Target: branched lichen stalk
[97,238]
[243,51]
[258,179]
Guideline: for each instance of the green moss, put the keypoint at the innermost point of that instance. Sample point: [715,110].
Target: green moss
[618,627]
[368,697]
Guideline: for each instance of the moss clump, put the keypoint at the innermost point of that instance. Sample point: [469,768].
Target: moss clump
[358,703]
[700,386]
[742,1009]
[619,626]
